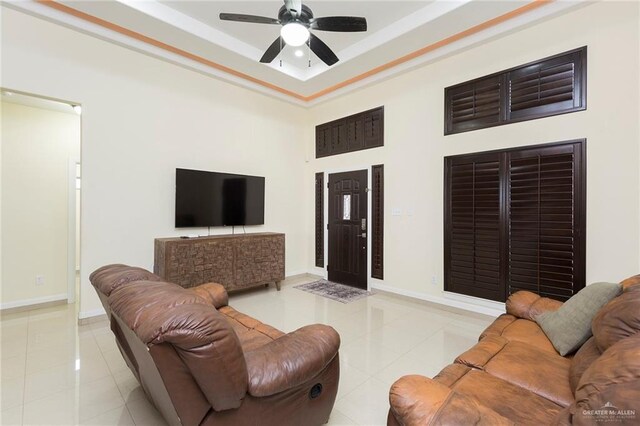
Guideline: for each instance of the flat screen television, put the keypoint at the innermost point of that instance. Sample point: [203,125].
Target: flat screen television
[218,199]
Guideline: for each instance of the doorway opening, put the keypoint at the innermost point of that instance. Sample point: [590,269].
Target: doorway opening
[40,201]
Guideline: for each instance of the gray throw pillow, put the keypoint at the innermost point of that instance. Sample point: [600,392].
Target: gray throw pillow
[570,326]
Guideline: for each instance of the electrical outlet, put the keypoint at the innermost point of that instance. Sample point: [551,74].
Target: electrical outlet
[434,280]
[39,279]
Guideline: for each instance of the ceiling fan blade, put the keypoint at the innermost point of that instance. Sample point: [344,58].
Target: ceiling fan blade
[322,51]
[345,24]
[294,7]
[272,51]
[237,17]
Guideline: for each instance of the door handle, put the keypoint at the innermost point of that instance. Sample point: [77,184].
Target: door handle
[364,235]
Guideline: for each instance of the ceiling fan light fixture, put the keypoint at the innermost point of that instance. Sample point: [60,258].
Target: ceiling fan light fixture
[294,34]
[297,20]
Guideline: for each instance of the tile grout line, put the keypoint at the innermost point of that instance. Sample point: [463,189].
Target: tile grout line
[111,373]
[344,415]
[126,405]
[64,389]
[24,378]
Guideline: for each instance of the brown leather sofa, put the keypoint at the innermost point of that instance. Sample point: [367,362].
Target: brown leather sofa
[201,362]
[513,375]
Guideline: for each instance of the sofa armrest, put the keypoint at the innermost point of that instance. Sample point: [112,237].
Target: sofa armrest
[213,293]
[418,400]
[630,282]
[528,305]
[291,359]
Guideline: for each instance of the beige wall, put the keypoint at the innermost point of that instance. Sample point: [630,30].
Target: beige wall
[141,119]
[36,147]
[415,145]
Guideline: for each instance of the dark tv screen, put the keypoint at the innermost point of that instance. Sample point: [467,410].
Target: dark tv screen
[218,199]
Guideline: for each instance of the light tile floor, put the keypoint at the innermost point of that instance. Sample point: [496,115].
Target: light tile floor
[54,372]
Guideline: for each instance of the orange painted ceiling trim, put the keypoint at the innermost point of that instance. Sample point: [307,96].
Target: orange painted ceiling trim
[422,51]
[429,48]
[164,46]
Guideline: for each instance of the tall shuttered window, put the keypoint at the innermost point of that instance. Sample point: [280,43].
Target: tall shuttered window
[545,202]
[550,86]
[515,220]
[377,222]
[319,218]
[473,226]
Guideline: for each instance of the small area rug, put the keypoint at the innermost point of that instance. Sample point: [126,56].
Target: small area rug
[334,291]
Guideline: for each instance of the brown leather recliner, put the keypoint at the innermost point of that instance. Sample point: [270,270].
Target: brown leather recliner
[513,375]
[201,362]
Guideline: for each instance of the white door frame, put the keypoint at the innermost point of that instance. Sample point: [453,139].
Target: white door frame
[71,231]
[326,216]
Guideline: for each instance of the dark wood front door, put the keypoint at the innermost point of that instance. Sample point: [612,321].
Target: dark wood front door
[348,224]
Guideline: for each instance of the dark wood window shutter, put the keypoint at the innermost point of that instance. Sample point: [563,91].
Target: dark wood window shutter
[374,128]
[550,86]
[474,105]
[473,223]
[546,220]
[323,140]
[515,220]
[377,222]
[353,133]
[319,220]
[339,142]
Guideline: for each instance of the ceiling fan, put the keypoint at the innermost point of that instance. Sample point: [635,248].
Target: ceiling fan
[297,20]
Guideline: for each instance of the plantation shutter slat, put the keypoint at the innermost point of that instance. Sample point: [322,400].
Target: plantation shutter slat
[514,220]
[473,224]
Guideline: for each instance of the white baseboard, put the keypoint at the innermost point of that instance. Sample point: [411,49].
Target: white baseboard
[291,274]
[92,319]
[468,303]
[322,272]
[34,301]
[93,313]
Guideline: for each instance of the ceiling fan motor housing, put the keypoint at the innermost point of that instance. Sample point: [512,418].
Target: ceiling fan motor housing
[305,16]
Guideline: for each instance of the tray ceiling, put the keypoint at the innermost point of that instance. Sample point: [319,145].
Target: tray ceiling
[401,34]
